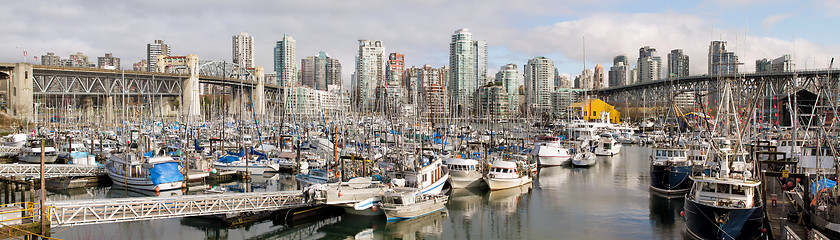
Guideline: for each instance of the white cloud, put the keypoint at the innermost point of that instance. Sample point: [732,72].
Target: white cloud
[771,21]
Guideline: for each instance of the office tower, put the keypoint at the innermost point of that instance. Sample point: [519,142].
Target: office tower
[539,83]
[677,64]
[461,72]
[307,71]
[108,61]
[370,73]
[284,62]
[598,77]
[721,61]
[618,74]
[153,50]
[243,50]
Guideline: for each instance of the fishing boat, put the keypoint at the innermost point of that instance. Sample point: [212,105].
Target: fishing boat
[255,166]
[464,173]
[358,196]
[407,203]
[669,169]
[607,146]
[506,174]
[429,177]
[31,152]
[157,174]
[724,208]
[550,152]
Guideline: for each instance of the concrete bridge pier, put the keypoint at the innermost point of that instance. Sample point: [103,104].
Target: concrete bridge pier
[21,103]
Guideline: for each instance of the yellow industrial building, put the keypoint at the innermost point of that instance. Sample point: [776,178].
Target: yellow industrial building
[595,110]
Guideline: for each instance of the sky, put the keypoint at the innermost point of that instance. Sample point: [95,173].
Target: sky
[514,30]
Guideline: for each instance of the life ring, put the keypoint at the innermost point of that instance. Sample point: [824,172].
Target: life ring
[742,204]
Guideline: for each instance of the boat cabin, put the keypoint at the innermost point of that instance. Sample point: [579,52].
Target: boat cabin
[669,156]
[724,192]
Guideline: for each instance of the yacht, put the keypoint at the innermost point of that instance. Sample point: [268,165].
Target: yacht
[429,178]
[550,152]
[584,159]
[506,174]
[256,166]
[669,169]
[157,174]
[464,173]
[607,146]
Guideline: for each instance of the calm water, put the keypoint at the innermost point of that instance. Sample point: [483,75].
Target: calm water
[610,200]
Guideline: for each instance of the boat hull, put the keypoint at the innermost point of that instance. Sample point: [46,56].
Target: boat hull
[712,222]
[584,160]
[141,183]
[553,160]
[254,169]
[465,179]
[670,179]
[36,158]
[505,183]
[395,213]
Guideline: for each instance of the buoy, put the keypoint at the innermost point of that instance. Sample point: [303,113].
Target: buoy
[339,194]
[682,213]
[374,208]
[183,185]
[763,230]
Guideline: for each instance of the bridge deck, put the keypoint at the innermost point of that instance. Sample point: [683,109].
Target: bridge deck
[94,211]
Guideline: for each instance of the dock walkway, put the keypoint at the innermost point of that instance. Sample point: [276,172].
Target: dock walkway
[778,214]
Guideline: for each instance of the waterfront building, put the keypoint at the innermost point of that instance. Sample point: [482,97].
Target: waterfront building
[285,62]
[140,66]
[634,76]
[77,60]
[243,50]
[762,65]
[584,80]
[320,71]
[462,71]
[508,77]
[677,64]
[491,101]
[108,61]
[562,80]
[305,102]
[153,50]
[595,110]
[480,56]
[649,64]
[308,72]
[782,64]
[721,61]
[539,83]
[370,73]
[50,59]
[562,98]
[426,89]
[395,69]
[619,72]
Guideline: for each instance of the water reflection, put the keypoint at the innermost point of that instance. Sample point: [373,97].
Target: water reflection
[425,227]
[665,214]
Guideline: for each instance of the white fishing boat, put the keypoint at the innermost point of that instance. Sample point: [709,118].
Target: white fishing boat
[407,203]
[550,152]
[160,173]
[31,152]
[429,178]
[464,173]
[607,146]
[254,166]
[506,174]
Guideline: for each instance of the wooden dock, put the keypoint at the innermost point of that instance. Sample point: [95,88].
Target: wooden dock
[778,215]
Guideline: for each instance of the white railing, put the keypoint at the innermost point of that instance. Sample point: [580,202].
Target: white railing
[95,211]
[50,170]
[788,234]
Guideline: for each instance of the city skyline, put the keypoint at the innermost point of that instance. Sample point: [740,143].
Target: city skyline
[753,29]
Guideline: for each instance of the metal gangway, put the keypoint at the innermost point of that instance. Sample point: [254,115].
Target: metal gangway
[50,170]
[95,211]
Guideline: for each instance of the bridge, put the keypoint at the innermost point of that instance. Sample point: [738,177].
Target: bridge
[171,90]
[50,170]
[771,83]
[95,211]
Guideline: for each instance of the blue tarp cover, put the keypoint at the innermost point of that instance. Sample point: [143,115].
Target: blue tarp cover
[165,173]
[821,184]
[149,154]
[228,159]
[241,153]
[257,153]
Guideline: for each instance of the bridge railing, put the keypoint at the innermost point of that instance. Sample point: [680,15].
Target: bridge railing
[51,170]
[82,212]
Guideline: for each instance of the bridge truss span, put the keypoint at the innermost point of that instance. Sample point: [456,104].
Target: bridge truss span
[54,81]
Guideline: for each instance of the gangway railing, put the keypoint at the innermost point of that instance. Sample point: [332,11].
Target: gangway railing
[50,170]
[95,211]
